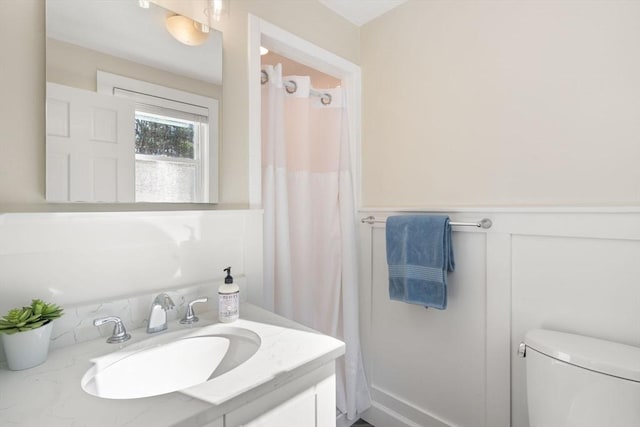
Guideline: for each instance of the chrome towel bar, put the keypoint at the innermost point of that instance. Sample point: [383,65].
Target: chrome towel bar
[483,223]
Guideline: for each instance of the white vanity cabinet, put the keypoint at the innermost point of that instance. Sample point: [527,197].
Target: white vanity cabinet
[288,382]
[308,401]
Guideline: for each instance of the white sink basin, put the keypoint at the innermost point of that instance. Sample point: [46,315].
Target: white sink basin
[169,362]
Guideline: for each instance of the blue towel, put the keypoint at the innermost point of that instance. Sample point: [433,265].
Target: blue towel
[419,254]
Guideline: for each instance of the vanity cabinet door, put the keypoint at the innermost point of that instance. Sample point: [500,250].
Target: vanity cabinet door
[308,401]
[296,412]
[326,402]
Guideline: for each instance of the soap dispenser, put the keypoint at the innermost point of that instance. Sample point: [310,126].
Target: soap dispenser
[228,299]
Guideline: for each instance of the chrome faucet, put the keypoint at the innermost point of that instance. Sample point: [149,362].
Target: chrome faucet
[119,334]
[158,313]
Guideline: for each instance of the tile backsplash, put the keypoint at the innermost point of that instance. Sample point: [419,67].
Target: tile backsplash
[76,325]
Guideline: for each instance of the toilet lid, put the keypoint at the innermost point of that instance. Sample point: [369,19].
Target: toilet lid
[607,357]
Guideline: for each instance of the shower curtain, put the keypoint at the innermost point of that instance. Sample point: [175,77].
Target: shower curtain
[310,258]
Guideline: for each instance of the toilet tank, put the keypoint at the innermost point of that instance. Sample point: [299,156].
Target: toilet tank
[578,381]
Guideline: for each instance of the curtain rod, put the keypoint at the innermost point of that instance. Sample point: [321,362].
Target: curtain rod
[483,223]
[291,87]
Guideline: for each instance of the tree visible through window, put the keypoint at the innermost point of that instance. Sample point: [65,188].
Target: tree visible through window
[164,137]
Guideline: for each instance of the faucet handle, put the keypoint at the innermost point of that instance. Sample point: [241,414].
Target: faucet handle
[189,315]
[119,332]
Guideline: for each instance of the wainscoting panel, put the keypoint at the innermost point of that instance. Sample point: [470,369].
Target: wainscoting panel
[427,361]
[572,270]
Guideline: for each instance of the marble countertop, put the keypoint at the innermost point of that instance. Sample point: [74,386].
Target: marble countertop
[50,394]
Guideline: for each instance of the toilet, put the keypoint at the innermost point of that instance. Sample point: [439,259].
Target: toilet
[578,381]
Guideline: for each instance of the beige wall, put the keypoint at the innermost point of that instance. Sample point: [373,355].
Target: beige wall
[465,103]
[22,42]
[502,103]
[75,66]
[22,105]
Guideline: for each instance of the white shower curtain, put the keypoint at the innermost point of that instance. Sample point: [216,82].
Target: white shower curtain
[310,258]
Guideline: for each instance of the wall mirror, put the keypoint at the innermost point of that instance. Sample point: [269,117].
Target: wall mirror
[133,100]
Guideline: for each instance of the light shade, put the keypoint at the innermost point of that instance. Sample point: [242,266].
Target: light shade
[186,30]
[216,9]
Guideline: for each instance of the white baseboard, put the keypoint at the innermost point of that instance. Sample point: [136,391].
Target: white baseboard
[379,415]
[341,420]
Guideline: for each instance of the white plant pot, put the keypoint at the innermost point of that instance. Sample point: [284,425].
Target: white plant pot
[27,349]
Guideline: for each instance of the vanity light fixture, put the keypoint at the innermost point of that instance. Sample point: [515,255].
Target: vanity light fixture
[263,50]
[186,30]
[217,9]
[143,4]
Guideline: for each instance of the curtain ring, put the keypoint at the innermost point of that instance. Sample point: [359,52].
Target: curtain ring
[264,78]
[325,99]
[293,89]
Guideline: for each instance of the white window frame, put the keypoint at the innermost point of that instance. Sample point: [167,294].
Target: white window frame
[200,136]
[164,97]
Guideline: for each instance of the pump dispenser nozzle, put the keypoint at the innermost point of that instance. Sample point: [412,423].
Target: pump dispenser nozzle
[228,279]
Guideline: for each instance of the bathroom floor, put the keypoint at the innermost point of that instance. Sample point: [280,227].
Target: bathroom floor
[361,423]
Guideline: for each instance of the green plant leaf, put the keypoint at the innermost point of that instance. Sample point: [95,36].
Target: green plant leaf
[33,318]
[28,318]
[25,314]
[37,307]
[35,325]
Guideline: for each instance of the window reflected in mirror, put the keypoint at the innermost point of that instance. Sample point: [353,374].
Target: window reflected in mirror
[174,148]
[169,157]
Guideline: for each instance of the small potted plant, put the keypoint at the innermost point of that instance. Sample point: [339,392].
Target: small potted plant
[25,333]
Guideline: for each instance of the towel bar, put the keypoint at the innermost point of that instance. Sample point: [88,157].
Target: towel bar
[483,223]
